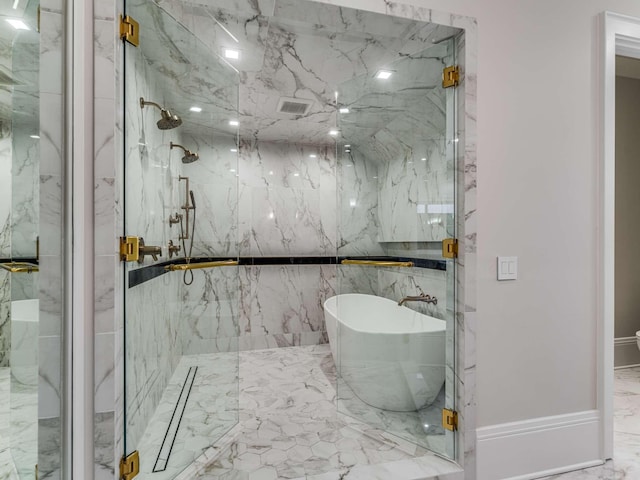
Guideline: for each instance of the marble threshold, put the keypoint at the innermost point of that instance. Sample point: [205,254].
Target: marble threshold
[289,427]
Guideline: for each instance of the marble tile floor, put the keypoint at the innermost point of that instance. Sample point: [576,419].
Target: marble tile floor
[626,433]
[211,411]
[290,429]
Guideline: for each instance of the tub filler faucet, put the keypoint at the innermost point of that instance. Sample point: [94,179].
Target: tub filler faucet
[423,297]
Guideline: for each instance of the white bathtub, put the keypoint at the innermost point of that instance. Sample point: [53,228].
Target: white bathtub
[392,357]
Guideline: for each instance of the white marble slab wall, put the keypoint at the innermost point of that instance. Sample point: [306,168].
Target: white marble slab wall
[287,199]
[6,156]
[282,305]
[5,318]
[26,146]
[358,193]
[109,308]
[154,347]
[214,181]
[51,208]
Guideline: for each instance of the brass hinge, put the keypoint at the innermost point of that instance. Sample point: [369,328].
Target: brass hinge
[450,248]
[129,249]
[449,419]
[130,466]
[451,76]
[130,30]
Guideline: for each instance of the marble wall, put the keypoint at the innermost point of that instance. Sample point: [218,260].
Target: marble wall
[51,232]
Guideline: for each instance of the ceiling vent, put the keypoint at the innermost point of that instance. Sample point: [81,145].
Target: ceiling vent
[294,106]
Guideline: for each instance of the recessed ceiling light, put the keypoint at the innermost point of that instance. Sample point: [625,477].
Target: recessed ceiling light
[17,24]
[35,136]
[313,155]
[423,159]
[196,109]
[234,123]
[333,133]
[234,150]
[348,150]
[383,74]
[231,53]
[344,110]
[347,146]
[233,170]
[296,174]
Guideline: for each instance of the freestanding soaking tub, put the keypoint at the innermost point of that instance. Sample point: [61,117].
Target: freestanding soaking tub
[392,357]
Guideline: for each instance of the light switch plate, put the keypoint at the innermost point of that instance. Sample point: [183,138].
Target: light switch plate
[507,268]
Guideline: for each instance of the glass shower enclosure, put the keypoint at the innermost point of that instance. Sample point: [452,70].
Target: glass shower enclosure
[181,294]
[396,195]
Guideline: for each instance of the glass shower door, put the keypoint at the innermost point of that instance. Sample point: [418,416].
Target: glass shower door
[396,195]
[180,196]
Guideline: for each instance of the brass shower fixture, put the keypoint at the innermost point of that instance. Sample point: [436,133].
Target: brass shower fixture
[168,120]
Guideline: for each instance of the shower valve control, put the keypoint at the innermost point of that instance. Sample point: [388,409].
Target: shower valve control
[173,249]
[152,250]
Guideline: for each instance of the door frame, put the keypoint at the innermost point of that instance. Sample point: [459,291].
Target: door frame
[620,35]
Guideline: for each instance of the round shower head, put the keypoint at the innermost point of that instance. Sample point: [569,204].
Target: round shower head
[189,156]
[168,120]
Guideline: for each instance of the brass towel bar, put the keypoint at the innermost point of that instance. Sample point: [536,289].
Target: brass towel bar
[20,267]
[377,263]
[195,266]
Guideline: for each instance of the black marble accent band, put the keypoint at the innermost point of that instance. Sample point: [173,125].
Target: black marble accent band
[144,274]
[20,259]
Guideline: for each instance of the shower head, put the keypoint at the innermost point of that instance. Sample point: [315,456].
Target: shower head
[168,120]
[193,199]
[189,156]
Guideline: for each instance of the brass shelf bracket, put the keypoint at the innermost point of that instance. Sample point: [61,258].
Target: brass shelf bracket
[376,263]
[197,266]
[20,267]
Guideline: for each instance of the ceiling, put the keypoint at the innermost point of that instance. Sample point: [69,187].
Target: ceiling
[299,49]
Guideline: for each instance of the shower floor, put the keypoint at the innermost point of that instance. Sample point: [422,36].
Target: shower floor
[289,427]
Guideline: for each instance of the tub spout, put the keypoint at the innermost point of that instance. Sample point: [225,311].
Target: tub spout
[423,297]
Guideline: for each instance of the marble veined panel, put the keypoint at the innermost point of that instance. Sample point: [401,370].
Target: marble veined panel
[5,318]
[290,221]
[417,196]
[153,347]
[209,310]
[285,299]
[287,165]
[358,205]
[396,284]
[5,190]
[25,193]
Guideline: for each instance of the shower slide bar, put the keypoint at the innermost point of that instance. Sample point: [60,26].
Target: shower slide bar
[20,267]
[377,263]
[195,266]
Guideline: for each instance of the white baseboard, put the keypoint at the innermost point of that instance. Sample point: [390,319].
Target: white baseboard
[538,447]
[626,353]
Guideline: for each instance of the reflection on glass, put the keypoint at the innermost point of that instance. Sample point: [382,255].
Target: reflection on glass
[29,346]
[393,327]
[181,327]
